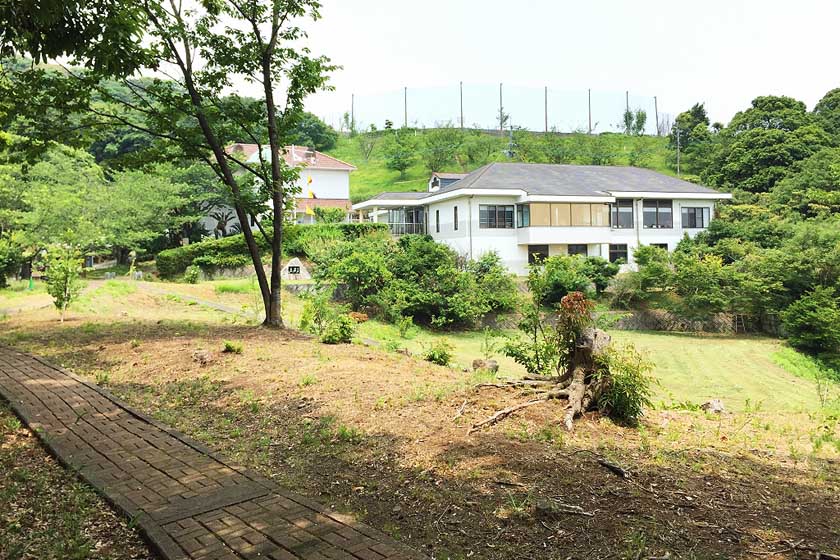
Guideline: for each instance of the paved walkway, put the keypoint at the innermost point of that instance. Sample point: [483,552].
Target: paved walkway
[189,503]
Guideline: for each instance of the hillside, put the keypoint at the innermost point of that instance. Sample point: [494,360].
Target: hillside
[372,177]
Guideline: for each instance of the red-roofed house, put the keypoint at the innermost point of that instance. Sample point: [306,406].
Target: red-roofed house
[324,182]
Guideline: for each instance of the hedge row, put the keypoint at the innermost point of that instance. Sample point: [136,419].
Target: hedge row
[232,252]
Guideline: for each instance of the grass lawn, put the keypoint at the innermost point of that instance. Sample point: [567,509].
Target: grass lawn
[742,371]
[386,437]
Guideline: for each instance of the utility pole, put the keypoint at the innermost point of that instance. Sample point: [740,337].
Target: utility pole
[501,113]
[627,100]
[546,109]
[678,151]
[656,113]
[462,105]
[405,107]
[352,113]
[589,97]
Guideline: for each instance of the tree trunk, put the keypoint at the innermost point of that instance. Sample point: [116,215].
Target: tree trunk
[585,383]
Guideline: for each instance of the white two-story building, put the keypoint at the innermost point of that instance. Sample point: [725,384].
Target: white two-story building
[528,211]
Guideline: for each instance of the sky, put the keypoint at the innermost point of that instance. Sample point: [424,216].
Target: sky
[720,52]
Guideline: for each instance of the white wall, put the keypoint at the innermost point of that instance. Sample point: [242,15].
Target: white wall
[512,244]
[326,183]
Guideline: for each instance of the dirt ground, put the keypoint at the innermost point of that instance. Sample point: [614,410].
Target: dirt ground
[385,437]
[47,514]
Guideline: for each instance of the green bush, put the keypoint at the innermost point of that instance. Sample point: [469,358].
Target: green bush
[212,254]
[562,275]
[417,277]
[630,389]
[232,252]
[439,353]
[812,323]
[192,274]
[328,321]
[232,347]
[339,330]
[600,271]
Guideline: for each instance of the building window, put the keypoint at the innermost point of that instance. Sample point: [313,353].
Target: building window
[455,218]
[660,245]
[537,253]
[695,218]
[437,221]
[658,214]
[621,214]
[577,249]
[495,216]
[523,215]
[618,253]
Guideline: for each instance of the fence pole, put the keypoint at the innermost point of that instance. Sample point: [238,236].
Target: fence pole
[462,105]
[656,113]
[546,109]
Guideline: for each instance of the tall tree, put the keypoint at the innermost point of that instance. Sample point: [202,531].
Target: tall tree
[204,50]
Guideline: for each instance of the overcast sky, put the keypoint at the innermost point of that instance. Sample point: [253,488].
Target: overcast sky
[721,52]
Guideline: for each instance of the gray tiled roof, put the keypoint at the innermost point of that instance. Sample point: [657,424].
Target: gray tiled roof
[400,195]
[572,180]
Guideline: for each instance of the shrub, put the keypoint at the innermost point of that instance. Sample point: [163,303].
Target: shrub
[812,323]
[216,254]
[495,282]
[192,274]
[232,251]
[339,330]
[439,353]
[326,320]
[558,276]
[600,272]
[232,347]
[631,384]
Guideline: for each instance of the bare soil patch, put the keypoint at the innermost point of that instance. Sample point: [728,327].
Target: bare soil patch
[385,436]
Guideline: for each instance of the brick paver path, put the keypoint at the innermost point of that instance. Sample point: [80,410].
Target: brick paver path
[189,503]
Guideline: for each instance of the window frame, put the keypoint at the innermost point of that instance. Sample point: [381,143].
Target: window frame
[613,252]
[455,218]
[705,213]
[659,205]
[523,214]
[615,213]
[577,246]
[498,210]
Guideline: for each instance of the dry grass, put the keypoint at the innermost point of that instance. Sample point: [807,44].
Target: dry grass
[376,434]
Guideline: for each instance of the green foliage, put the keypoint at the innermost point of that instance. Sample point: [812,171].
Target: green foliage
[192,274]
[813,188]
[812,323]
[495,282]
[231,252]
[339,331]
[321,317]
[11,257]
[400,150]
[324,215]
[64,268]
[547,340]
[418,278]
[312,132]
[232,347]
[439,353]
[440,147]
[558,276]
[631,385]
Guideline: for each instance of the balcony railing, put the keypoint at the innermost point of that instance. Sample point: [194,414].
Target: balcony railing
[407,229]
